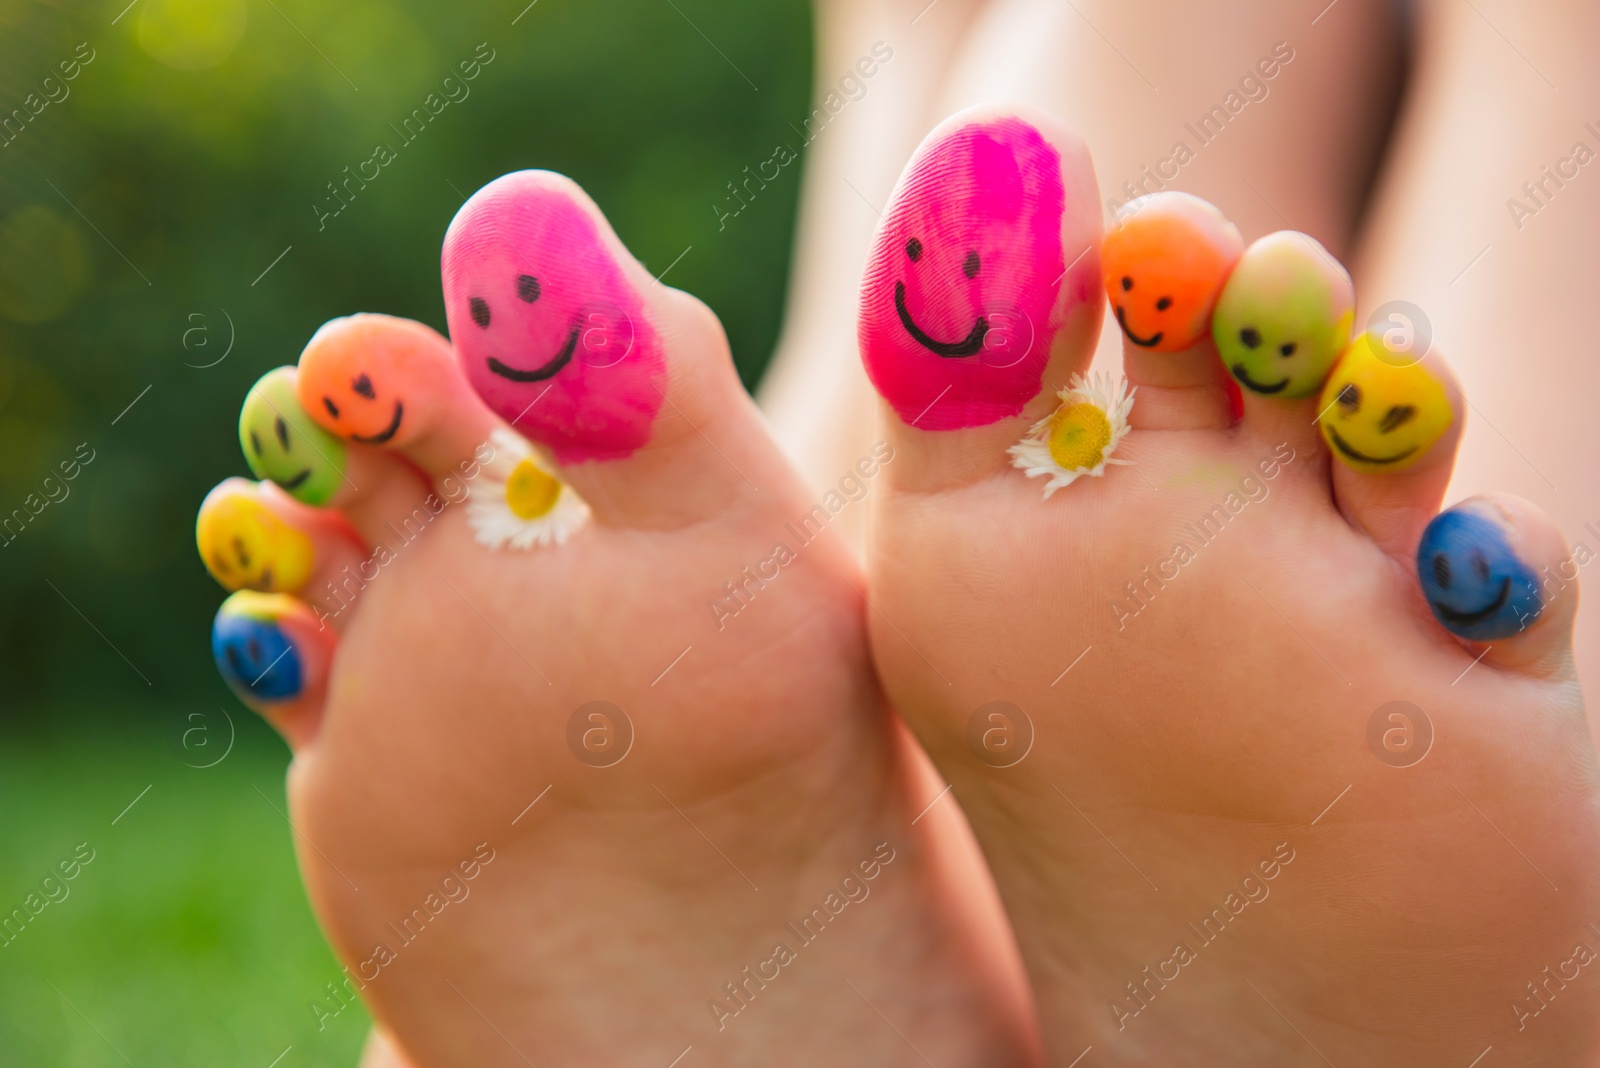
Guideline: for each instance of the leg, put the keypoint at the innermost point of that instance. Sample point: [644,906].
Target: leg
[813,393]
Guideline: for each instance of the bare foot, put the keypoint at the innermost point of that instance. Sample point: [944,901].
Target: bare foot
[590,763]
[1246,799]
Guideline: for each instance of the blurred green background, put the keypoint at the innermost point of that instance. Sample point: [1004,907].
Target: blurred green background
[162,202]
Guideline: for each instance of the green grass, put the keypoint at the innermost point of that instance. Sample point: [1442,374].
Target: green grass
[187,939]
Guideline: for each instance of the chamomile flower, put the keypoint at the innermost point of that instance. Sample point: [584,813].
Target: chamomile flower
[519,502]
[1080,436]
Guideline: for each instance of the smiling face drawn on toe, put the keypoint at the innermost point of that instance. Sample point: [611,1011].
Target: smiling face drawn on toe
[252,650]
[967,346]
[282,443]
[246,546]
[349,410]
[375,379]
[548,328]
[1377,415]
[961,298]
[1165,261]
[1284,315]
[1475,583]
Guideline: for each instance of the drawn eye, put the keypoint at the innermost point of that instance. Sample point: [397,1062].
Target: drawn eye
[914,250]
[363,386]
[1251,337]
[255,443]
[1480,567]
[969,266]
[480,311]
[1441,570]
[1350,398]
[527,288]
[333,409]
[1163,304]
[283,432]
[1287,348]
[1396,417]
[1127,283]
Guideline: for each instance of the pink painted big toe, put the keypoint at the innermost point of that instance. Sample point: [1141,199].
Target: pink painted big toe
[959,304]
[549,330]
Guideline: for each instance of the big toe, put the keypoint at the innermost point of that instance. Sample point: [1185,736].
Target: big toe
[628,383]
[982,290]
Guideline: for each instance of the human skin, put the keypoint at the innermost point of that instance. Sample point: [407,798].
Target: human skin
[1507,291]
[457,724]
[1300,157]
[549,331]
[1284,315]
[1198,810]
[957,322]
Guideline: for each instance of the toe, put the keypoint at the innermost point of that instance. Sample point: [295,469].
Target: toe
[254,536]
[378,492]
[628,383]
[1282,320]
[381,382]
[1165,260]
[980,297]
[391,383]
[275,655]
[283,444]
[1392,422]
[1496,572]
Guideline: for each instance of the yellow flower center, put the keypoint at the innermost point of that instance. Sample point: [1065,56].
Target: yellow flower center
[531,492]
[1079,434]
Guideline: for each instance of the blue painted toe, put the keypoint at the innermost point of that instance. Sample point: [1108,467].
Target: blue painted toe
[1475,583]
[255,656]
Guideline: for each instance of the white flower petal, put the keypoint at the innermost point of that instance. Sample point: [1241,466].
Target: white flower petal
[493,522]
[1032,454]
